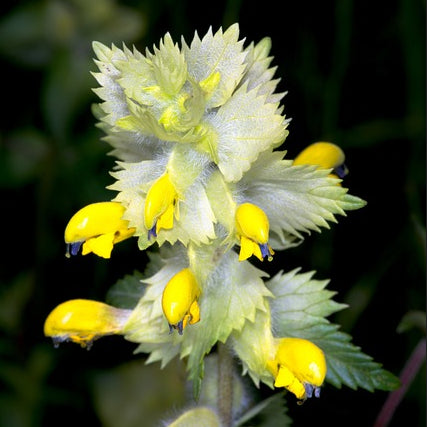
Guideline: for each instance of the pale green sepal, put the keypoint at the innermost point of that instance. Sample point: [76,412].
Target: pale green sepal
[197,417]
[257,74]
[244,127]
[114,105]
[295,198]
[349,202]
[219,52]
[255,346]
[222,199]
[231,296]
[169,67]
[147,324]
[195,221]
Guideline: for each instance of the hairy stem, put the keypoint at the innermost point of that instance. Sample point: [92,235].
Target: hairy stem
[225,385]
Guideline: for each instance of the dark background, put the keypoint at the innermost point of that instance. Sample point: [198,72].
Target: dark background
[355,75]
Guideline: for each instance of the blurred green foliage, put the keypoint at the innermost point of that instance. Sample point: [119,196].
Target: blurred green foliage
[355,72]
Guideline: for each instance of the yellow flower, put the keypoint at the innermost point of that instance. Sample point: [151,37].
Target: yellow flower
[82,321]
[98,227]
[324,154]
[160,206]
[179,300]
[299,366]
[253,229]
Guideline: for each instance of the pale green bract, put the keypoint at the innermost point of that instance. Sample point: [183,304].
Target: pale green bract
[208,115]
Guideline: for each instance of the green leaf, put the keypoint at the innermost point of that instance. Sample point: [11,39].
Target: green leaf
[299,310]
[222,53]
[244,127]
[126,292]
[270,412]
[295,198]
[197,417]
[134,394]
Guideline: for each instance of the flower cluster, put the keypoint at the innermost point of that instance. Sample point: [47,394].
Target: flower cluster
[195,130]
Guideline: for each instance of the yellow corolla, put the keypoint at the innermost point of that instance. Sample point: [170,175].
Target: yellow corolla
[82,321]
[299,366]
[160,206]
[179,300]
[252,230]
[324,154]
[97,227]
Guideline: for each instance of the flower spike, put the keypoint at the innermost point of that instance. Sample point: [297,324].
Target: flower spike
[299,366]
[82,321]
[324,154]
[160,205]
[179,300]
[98,227]
[252,230]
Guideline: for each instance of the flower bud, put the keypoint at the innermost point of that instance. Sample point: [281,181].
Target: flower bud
[179,300]
[299,366]
[325,155]
[82,321]
[252,229]
[97,227]
[160,206]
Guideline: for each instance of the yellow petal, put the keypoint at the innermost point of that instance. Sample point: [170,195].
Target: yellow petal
[252,222]
[161,199]
[304,359]
[285,378]
[179,296]
[324,154]
[101,245]
[82,321]
[93,221]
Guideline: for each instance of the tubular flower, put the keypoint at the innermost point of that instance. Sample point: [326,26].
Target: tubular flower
[97,227]
[299,366]
[252,229]
[326,155]
[82,321]
[179,300]
[160,206]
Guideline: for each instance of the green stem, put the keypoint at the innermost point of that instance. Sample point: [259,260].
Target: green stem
[225,385]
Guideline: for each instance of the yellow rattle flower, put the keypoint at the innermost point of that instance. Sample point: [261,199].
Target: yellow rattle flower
[253,229]
[299,366]
[179,300]
[82,321]
[97,227]
[160,206]
[325,155]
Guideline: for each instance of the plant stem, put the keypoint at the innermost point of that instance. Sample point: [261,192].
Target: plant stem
[225,385]
[409,372]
